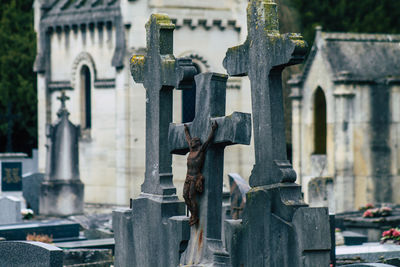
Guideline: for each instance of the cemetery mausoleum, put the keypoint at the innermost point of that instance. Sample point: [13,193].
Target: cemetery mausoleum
[346,119]
[84,48]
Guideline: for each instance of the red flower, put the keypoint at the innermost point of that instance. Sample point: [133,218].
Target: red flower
[367,214]
[387,233]
[395,233]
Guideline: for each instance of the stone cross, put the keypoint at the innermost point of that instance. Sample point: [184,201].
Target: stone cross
[262,57]
[160,72]
[205,244]
[63,98]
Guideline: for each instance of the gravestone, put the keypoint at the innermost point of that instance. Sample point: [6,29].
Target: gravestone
[239,188]
[10,210]
[62,192]
[58,229]
[205,244]
[11,176]
[156,237]
[31,190]
[278,228]
[29,253]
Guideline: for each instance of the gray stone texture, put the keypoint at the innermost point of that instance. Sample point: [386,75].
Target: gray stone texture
[62,192]
[10,208]
[278,229]
[155,238]
[31,190]
[123,235]
[239,188]
[369,265]
[321,193]
[205,245]
[29,253]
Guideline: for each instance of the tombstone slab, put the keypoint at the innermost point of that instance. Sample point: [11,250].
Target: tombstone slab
[31,190]
[29,253]
[11,176]
[10,208]
[276,221]
[58,229]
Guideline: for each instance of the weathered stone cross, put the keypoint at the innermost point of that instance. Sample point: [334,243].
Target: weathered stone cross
[205,242]
[63,98]
[160,72]
[263,57]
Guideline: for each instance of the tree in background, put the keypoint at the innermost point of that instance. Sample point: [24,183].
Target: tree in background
[367,16]
[18,101]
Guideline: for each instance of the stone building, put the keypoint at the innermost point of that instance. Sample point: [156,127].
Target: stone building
[346,117]
[84,47]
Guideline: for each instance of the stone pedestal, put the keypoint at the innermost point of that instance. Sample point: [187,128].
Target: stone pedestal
[61,197]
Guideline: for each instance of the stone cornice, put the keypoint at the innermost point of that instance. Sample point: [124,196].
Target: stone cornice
[207,24]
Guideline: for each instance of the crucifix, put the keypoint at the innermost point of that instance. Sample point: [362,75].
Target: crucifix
[160,73]
[212,128]
[263,57]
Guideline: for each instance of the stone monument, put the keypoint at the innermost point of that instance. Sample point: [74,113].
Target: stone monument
[30,253]
[278,229]
[205,246]
[62,192]
[153,241]
[10,208]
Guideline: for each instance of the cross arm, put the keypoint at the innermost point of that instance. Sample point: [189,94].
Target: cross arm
[137,68]
[232,129]
[237,59]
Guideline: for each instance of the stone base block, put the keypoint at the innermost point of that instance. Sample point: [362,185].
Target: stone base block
[61,198]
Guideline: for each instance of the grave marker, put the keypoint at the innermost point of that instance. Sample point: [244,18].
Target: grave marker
[10,210]
[11,176]
[30,253]
[160,73]
[278,228]
[205,245]
[153,244]
[62,192]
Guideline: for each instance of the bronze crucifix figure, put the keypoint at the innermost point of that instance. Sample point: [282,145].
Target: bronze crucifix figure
[194,181]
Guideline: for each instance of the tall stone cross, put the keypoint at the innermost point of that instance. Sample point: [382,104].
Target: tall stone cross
[262,57]
[160,73]
[205,244]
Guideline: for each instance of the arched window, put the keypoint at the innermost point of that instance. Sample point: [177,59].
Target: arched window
[86,99]
[319,122]
[189,101]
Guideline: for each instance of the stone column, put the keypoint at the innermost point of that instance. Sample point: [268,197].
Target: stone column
[296,96]
[122,161]
[344,157]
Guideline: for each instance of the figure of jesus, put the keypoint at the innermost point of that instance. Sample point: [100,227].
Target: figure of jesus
[194,182]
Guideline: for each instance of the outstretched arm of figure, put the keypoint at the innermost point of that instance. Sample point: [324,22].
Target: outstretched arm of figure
[214,126]
[187,134]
